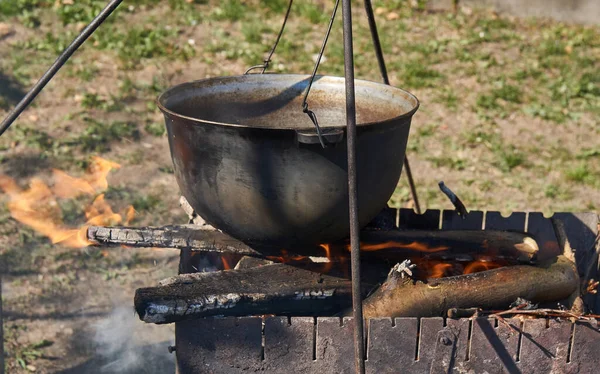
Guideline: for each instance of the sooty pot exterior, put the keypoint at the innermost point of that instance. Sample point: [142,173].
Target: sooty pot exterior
[272,185]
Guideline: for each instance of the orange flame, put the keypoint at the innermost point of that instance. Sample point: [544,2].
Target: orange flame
[38,208]
[480,265]
[439,270]
[226,265]
[391,244]
[329,264]
[66,186]
[286,257]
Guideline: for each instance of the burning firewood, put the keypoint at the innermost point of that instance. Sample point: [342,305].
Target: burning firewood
[268,289]
[287,290]
[394,245]
[402,297]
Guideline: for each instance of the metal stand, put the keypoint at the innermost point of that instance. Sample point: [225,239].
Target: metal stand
[359,343]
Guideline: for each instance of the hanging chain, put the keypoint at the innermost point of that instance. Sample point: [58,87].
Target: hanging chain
[310,113]
[267,60]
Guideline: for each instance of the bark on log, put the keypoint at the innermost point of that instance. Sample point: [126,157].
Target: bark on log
[400,243]
[269,289]
[179,237]
[286,290]
[491,289]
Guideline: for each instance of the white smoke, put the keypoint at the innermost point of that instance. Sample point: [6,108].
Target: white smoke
[127,345]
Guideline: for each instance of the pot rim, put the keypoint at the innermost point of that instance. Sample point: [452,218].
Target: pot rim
[162,96]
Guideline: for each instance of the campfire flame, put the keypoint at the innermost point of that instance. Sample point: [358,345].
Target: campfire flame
[439,270]
[427,266]
[391,244]
[285,257]
[480,265]
[38,207]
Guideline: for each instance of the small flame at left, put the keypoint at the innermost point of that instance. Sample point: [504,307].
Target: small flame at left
[38,208]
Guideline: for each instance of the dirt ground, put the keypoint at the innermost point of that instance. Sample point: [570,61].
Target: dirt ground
[508,119]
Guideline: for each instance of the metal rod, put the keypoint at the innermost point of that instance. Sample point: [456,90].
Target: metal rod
[352,188]
[386,80]
[60,61]
[411,185]
[376,42]
[267,60]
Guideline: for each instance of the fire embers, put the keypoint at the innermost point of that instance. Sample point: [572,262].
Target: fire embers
[38,206]
[431,261]
[427,268]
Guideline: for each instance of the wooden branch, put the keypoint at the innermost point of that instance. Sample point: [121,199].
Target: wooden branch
[491,289]
[268,289]
[400,244]
[180,237]
[574,301]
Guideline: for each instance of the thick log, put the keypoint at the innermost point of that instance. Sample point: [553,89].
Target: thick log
[393,244]
[401,297]
[269,289]
[285,290]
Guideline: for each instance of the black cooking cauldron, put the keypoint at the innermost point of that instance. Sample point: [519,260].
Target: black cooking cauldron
[249,161]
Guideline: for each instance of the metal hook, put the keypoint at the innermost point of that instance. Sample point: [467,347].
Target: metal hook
[313,118]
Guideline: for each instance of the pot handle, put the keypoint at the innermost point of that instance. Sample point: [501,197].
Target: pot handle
[329,135]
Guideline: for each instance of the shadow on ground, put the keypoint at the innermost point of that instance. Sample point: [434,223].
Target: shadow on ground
[24,166]
[10,91]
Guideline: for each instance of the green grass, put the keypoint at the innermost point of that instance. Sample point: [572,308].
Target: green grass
[583,174]
[314,13]
[450,162]
[275,6]
[505,92]
[449,98]
[508,157]
[143,42]
[98,135]
[155,129]
[230,10]
[416,74]
[32,137]
[79,11]
[94,101]
[26,11]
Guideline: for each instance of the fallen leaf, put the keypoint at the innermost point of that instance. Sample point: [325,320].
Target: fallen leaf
[392,16]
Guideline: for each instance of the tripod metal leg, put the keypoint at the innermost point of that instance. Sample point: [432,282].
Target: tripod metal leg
[359,343]
[386,80]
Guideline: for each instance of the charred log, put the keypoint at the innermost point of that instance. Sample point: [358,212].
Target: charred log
[269,289]
[393,245]
[402,297]
[286,290]
[180,237]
